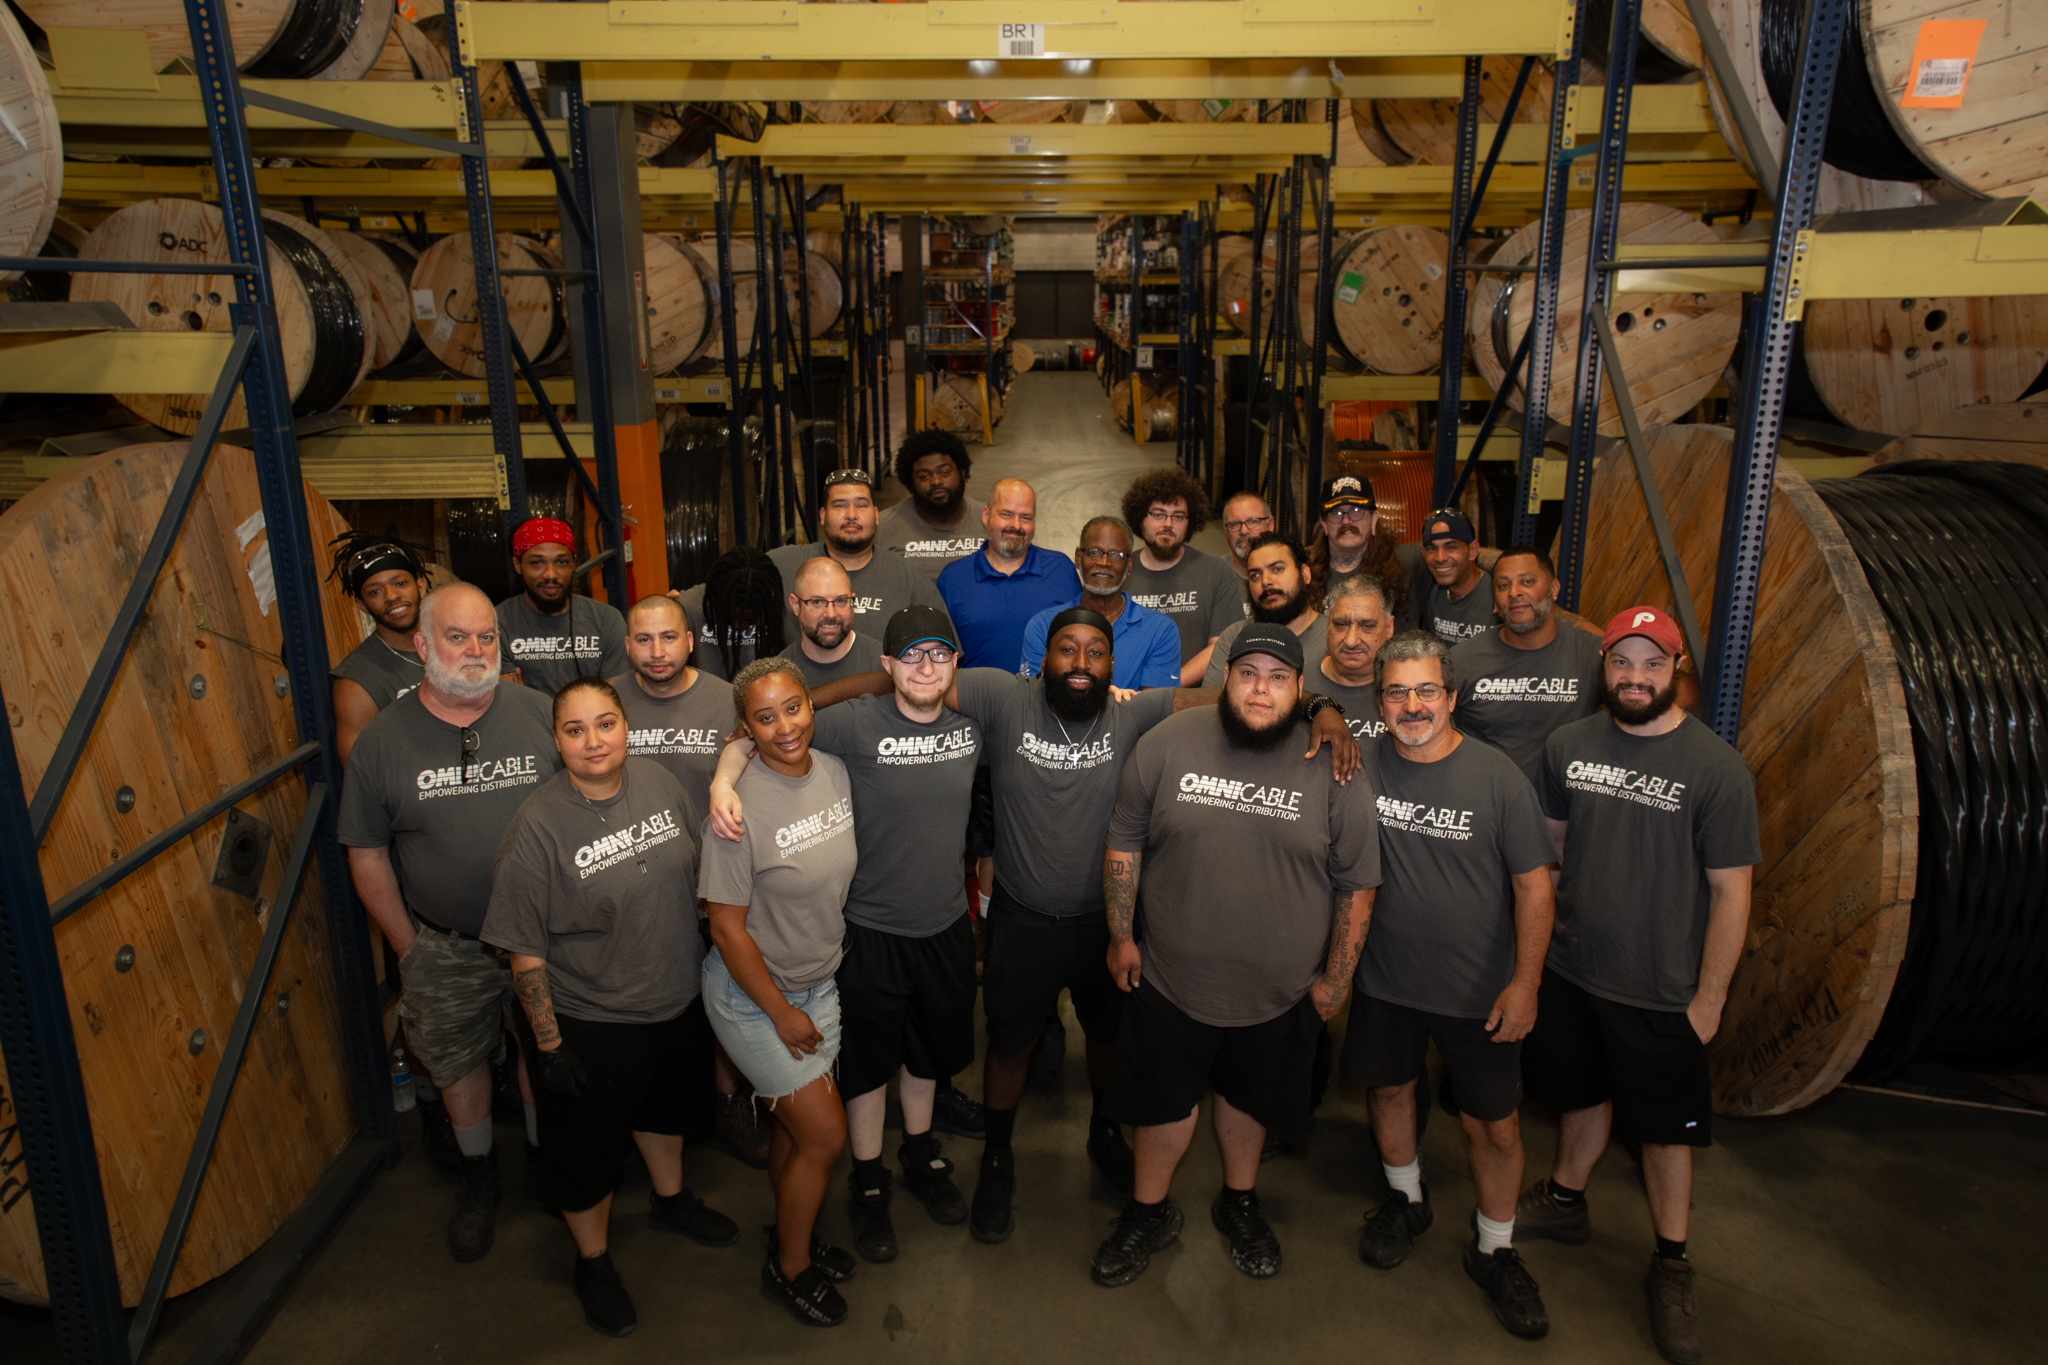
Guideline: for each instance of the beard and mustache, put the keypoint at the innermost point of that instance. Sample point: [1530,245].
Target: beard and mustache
[456,685]
[1639,712]
[1284,611]
[1077,705]
[1242,733]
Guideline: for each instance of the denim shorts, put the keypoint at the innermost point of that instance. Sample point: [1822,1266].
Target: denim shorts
[750,1038]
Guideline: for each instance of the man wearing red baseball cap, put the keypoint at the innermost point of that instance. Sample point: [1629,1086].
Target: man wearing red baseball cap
[1656,815]
[549,635]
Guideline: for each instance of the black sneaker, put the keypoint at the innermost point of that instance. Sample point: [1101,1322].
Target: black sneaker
[810,1297]
[536,1174]
[1510,1288]
[928,1178]
[867,1208]
[953,1112]
[990,1220]
[1253,1247]
[1391,1229]
[684,1212]
[1539,1217]
[1049,1057]
[834,1263]
[607,1307]
[1112,1156]
[437,1138]
[475,1221]
[1126,1253]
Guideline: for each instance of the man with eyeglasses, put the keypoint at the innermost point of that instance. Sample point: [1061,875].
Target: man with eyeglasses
[827,646]
[1165,508]
[1245,518]
[883,584]
[1147,644]
[1281,587]
[1458,603]
[433,783]
[1454,955]
[1349,539]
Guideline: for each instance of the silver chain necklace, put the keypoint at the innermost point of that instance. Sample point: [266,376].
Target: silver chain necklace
[639,853]
[1073,749]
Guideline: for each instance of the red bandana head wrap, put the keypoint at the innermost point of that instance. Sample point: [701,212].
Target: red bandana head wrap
[542,531]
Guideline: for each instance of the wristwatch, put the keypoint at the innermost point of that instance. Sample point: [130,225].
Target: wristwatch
[1315,703]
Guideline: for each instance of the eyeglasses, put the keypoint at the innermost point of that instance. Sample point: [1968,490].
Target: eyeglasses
[1423,692]
[1235,527]
[936,654]
[820,603]
[1108,556]
[1346,511]
[1170,518]
[471,742]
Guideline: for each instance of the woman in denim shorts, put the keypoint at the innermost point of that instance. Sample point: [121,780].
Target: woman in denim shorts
[775,898]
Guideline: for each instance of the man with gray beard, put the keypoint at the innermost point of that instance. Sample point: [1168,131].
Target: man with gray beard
[1533,675]
[433,783]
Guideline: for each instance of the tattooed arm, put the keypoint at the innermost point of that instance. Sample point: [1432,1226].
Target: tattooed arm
[1348,921]
[1120,902]
[530,984]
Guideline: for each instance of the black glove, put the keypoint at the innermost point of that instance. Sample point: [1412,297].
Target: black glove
[561,1071]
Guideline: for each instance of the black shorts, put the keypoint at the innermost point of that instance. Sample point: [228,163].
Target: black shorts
[638,1078]
[1386,1044]
[1030,958]
[905,1002]
[981,817]
[1586,1051]
[1164,1059]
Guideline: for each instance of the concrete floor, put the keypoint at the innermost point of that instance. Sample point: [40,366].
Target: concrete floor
[1864,1229]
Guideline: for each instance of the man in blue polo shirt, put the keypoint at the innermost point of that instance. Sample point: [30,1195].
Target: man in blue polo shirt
[992,593]
[1147,641]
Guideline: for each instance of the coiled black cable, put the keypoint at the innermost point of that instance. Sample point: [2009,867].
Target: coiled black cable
[1957,555]
[1653,67]
[693,462]
[1862,139]
[308,42]
[45,286]
[338,338]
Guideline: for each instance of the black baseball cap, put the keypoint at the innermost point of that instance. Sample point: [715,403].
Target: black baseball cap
[919,626]
[1259,638]
[1355,489]
[1448,523]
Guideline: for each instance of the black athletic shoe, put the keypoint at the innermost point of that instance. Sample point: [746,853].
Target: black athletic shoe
[474,1223]
[990,1220]
[1049,1058]
[810,1297]
[1391,1229]
[1126,1253]
[867,1208]
[1510,1288]
[536,1174]
[607,1307]
[928,1178]
[1253,1247]
[1112,1156]
[953,1112]
[684,1212]
[437,1138]
[834,1263]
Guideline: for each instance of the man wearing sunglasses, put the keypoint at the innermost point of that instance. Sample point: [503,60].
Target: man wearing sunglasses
[433,782]
[1148,644]
[827,646]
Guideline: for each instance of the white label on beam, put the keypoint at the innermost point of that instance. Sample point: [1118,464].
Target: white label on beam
[1020,40]
[1144,360]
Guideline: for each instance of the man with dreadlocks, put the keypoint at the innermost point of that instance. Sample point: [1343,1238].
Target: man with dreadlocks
[548,635]
[387,578]
[735,613]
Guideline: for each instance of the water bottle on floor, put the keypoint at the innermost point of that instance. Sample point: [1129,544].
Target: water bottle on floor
[402,1096]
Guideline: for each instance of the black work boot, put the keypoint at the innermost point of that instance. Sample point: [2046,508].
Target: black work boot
[867,1208]
[475,1221]
[607,1307]
[994,1190]
[928,1178]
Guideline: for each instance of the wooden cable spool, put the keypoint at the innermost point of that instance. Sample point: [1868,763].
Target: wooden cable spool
[655,130]
[182,230]
[1162,405]
[282,39]
[955,405]
[192,712]
[1234,281]
[1200,111]
[827,292]
[1022,357]
[1031,111]
[744,294]
[449,327]
[31,149]
[1668,47]
[1673,347]
[1414,130]
[1990,431]
[1386,298]
[847,111]
[386,266]
[680,317]
[1888,364]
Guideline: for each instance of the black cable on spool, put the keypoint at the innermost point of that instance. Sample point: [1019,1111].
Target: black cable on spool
[1954,552]
[1861,137]
[45,286]
[476,545]
[414,342]
[307,43]
[1653,67]
[692,466]
[338,338]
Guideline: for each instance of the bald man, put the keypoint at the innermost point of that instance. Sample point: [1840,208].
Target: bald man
[992,594]
[827,646]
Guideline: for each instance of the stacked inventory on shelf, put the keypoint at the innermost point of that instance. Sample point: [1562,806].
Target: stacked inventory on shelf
[962,273]
[1138,273]
[967,300]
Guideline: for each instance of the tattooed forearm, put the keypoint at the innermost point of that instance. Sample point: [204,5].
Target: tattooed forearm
[530,984]
[1351,914]
[1120,892]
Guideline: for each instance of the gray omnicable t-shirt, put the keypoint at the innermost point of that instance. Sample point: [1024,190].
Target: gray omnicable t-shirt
[380,670]
[791,868]
[1455,620]
[864,657]
[921,545]
[415,786]
[1646,818]
[1513,698]
[605,891]
[1361,704]
[684,733]
[1244,855]
[912,787]
[882,587]
[705,654]
[1201,592]
[587,638]
[1054,784]
[1452,833]
[1315,642]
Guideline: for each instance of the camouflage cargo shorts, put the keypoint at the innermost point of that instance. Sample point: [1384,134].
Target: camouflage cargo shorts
[455,1002]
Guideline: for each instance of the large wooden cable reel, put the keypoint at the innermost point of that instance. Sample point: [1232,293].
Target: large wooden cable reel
[284,39]
[1889,364]
[1386,297]
[154,969]
[31,148]
[453,333]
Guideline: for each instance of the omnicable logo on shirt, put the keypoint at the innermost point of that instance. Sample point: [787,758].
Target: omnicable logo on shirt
[863,606]
[940,549]
[1527,689]
[1064,755]
[656,740]
[555,646]
[612,849]
[812,830]
[905,750]
[1451,632]
[484,775]
[1242,798]
[1604,779]
[1439,822]
[1172,603]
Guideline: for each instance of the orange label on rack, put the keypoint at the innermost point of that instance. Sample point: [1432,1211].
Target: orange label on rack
[1942,57]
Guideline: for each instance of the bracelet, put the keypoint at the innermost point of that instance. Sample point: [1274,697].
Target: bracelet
[1315,703]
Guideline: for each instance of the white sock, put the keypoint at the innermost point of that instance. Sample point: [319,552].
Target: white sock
[1407,1179]
[533,1125]
[475,1140]
[1495,1236]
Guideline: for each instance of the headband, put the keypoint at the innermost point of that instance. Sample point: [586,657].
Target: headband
[542,531]
[1079,616]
